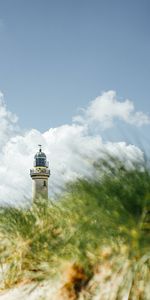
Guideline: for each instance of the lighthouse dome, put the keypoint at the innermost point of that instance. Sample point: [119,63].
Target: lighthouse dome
[40,159]
[40,155]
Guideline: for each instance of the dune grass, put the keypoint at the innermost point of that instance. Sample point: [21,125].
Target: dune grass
[93,219]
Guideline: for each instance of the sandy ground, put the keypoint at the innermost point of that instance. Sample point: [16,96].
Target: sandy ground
[34,291]
[111,281]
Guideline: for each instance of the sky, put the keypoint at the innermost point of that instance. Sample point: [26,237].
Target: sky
[56,56]
[74,77]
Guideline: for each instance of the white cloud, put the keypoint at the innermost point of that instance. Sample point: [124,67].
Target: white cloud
[71,150]
[8,122]
[106,108]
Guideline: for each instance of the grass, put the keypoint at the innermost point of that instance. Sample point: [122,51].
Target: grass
[94,220]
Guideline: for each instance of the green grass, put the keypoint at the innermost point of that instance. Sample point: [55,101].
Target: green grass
[93,219]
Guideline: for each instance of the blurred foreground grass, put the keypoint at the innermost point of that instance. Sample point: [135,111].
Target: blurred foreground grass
[105,218]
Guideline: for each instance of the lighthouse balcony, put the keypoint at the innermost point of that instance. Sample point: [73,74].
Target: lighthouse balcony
[40,171]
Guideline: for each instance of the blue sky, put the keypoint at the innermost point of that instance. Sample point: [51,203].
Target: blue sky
[56,56]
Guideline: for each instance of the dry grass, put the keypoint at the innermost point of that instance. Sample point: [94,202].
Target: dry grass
[95,228]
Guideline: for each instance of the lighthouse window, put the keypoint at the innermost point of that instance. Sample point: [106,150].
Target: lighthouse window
[44,184]
[40,162]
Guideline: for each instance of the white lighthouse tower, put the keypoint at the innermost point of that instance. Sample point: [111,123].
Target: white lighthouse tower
[40,174]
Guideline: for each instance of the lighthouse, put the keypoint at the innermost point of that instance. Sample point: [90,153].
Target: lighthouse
[40,174]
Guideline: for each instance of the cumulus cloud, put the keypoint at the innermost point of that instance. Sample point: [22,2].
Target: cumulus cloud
[71,150]
[106,108]
[8,122]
